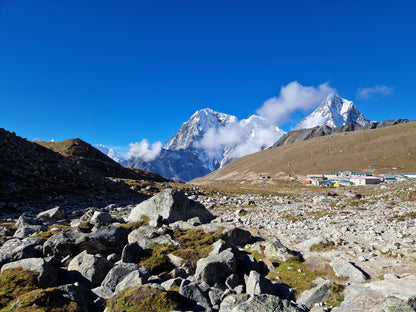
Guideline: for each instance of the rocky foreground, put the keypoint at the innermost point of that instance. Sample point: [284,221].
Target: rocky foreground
[296,250]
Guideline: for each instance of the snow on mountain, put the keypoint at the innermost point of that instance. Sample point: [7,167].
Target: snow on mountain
[117,157]
[334,111]
[208,140]
[199,123]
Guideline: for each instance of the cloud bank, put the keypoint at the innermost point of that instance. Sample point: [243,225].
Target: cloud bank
[366,93]
[293,97]
[143,151]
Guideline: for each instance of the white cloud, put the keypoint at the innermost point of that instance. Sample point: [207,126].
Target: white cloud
[366,93]
[143,151]
[293,97]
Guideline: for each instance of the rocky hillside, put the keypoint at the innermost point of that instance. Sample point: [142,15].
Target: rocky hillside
[310,133]
[32,172]
[81,152]
[385,150]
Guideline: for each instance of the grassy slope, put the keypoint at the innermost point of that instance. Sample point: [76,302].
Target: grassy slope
[359,151]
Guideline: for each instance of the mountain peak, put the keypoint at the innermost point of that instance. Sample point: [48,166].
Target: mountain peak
[193,129]
[334,111]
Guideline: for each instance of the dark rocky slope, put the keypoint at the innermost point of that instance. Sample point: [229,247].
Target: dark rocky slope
[32,172]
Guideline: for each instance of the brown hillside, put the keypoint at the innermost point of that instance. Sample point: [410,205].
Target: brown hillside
[84,153]
[375,151]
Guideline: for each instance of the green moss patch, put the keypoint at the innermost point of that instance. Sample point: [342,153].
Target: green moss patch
[15,282]
[295,274]
[19,292]
[337,295]
[42,300]
[146,299]
[195,245]
[322,246]
[155,258]
[53,229]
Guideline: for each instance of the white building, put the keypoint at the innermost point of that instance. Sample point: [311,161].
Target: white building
[365,180]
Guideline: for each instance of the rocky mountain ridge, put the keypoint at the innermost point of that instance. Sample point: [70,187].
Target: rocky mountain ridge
[184,157]
[334,111]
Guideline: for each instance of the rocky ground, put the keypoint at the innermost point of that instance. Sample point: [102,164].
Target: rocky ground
[226,249]
[373,226]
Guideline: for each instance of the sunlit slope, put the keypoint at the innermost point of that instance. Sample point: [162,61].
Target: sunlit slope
[385,150]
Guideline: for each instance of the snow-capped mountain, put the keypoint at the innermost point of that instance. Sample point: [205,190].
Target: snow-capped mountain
[117,157]
[207,141]
[334,111]
[194,129]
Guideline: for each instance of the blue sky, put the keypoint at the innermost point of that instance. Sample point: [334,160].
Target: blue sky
[115,72]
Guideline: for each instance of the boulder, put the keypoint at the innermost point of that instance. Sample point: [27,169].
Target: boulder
[172,205]
[101,218]
[102,239]
[257,284]
[191,290]
[28,222]
[47,272]
[131,253]
[391,295]
[314,295]
[17,249]
[80,294]
[274,250]
[57,213]
[258,303]
[146,235]
[216,268]
[93,268]
[24,232]
[343,268]
[236,236]
[118,272]
[135,278]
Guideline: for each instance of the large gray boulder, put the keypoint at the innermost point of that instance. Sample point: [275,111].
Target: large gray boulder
[172,205]
[118,272]
[101,239]
[216,268]
[236,236]
[192,291]
[258,303]
[47,272]
[314,295]
[343,268]
[257,284]
[132,279]
[17,249]
[146,235]
[390,296]
[93,268]
[274,250]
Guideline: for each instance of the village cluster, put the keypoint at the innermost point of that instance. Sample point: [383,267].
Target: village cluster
[348,178]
